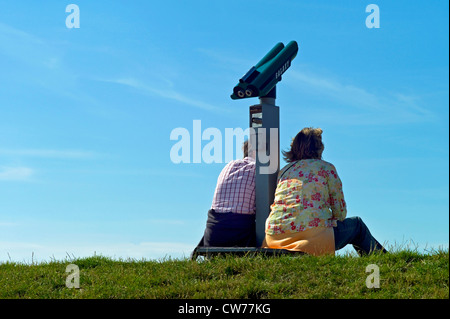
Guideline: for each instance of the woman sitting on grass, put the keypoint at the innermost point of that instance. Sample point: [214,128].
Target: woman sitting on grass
[309,210]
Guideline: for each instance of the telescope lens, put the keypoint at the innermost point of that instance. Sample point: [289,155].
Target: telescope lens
[248,92]
[240,93]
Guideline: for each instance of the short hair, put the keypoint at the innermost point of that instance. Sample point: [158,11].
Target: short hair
[307,144]
[245,148]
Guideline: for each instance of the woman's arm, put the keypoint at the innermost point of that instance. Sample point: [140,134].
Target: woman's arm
[336,200]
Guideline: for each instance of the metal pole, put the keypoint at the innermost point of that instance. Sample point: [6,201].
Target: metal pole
[264,119]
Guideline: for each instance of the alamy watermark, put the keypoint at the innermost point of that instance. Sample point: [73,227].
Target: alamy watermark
[373,280]
[73,279]
[190,147]
[373,19]
[73,19]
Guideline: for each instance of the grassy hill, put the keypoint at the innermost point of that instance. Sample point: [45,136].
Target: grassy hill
[403,274]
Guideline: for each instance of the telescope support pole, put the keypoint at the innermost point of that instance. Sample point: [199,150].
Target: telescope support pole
[264,118]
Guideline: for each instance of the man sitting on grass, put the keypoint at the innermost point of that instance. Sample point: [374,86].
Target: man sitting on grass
[231,219]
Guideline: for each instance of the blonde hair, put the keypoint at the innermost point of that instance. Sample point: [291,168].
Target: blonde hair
[307,144]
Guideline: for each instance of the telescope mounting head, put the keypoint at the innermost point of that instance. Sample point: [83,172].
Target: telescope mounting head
[261,79]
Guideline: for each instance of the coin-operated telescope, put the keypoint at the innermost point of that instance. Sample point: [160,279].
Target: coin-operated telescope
[263,77]
[260,81]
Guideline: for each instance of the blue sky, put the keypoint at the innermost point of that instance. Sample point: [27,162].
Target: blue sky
[86,116]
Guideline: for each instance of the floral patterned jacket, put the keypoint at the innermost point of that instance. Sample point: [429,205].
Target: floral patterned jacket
[309,194]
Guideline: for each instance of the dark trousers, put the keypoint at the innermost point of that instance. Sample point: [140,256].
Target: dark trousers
[229,230]
[353,231]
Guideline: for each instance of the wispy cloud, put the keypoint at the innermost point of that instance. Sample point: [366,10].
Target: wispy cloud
[18,44]
[363,106]
[23,173]
[7,224]
[358,105]
[41,62]
[15,173]
[226,59]
[148,172]
[49,153]
[350,94]
[170,93]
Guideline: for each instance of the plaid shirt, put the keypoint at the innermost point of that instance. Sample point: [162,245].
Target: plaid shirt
[235,190]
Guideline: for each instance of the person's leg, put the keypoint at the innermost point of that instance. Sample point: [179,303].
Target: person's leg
[353,231]
[229,230]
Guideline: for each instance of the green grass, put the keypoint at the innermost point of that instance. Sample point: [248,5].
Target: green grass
[403,274]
